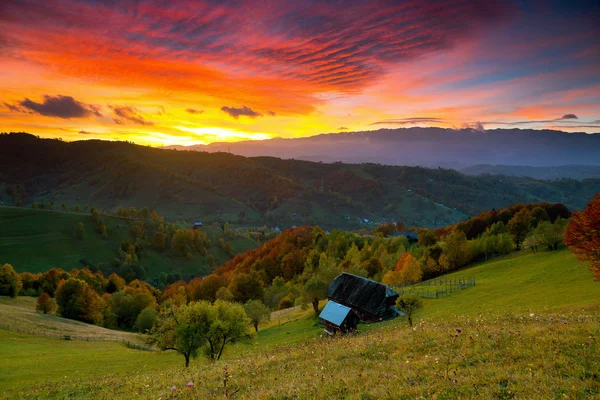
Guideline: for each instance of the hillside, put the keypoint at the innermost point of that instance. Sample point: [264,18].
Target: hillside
[35,240]
[578,172]
[186,185]
[429,147]
[527,330]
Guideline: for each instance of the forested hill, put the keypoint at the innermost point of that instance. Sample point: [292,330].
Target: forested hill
[187,185]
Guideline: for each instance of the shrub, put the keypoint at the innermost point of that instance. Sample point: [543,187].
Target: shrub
[46,304]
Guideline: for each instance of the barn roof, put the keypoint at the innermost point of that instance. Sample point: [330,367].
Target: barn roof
[335,313]
[359,292]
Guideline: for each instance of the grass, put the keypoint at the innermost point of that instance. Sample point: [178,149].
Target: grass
[520,282]
[35,240]
[529,329]
[19,314]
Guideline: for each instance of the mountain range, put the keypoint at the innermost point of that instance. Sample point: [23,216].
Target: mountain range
[432,147]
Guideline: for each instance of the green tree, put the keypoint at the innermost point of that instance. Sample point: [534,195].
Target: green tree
[183,329]
[145,320]
[551,234]
[408,304]
[229,326]
[315,289]
[257,311]
[519,226]
[224,294]
[80,231]
[10,281]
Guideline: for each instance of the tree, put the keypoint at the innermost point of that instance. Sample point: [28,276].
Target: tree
[80,231]
[224,294]
[257,312]
[408,304]
[145,320]
[583,235]
[10,281]
[456,250]
[551,234]
[183,329]
[190,327]
[76,300]
[315,289]
[230,326]
[409,269]
[102,230]
[519,226]
[46,304]
[372,266]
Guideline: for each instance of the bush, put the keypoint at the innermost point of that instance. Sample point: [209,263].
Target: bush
[46,304]
[284,303]
[408,304]
[145,320]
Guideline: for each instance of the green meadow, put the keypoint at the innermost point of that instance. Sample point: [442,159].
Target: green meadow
[35,240]
[529,328]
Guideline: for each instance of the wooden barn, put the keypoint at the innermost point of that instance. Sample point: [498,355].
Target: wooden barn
[338,318]
[371,301]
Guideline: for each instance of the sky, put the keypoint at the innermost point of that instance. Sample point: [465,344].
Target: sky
[196,72]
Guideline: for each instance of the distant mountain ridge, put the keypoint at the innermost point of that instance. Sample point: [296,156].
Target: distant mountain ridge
[429,147]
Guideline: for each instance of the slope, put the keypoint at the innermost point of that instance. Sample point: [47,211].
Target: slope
[218,187]
[35,240]
[501,350]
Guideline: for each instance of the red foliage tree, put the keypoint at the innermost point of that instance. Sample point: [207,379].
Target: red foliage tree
[583,235]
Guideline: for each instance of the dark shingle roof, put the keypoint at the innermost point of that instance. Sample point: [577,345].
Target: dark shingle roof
[359,292]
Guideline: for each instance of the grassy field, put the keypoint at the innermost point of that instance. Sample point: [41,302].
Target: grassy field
[19,315]
[530,328]
[36,240]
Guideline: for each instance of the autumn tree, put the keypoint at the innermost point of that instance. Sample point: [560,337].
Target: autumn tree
[408,304]
[76,300]
[46,304]
[10,281]
[257,312]
[519,226]
[583,235]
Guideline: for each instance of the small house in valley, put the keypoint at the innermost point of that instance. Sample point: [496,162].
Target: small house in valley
[371,301]
[338,318]
[197,225]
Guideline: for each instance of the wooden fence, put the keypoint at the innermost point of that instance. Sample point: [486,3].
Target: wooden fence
[436,288]
[64,336]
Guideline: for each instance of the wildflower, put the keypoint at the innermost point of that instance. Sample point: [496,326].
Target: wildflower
[532,315]
[458,331]
[173,388]
[190,384]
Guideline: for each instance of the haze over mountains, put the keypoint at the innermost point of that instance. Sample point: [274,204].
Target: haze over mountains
[434,147]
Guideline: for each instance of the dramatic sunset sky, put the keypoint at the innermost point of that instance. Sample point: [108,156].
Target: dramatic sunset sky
[187,72]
